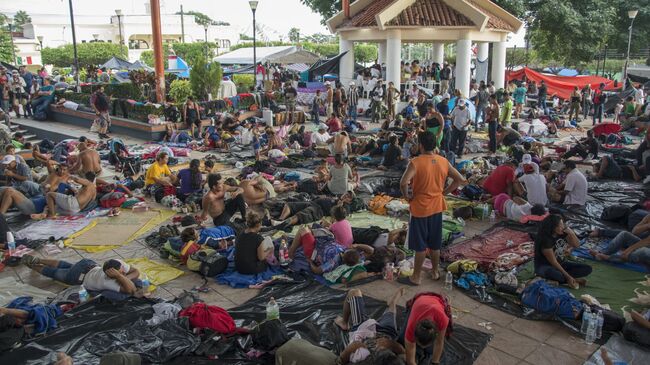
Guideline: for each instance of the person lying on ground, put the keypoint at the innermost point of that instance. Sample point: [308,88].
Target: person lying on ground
[114,275]
[190,180]
[87,161]
[20,176]
[518,210]
[641,229]
[586,148]
[18,140]
[553,243]
[159,172]
[322,172]
[638,330]
[251,249]
[295,213]
[214,202]
[321,256]
[258,189]
[393,158]
[625,247]
[377,344]
[105,187]
[427,326]
[70,204]
[10,197]
[608,168]
[44,159]
[352,266]
[378,237]
[11,150]
[341,227]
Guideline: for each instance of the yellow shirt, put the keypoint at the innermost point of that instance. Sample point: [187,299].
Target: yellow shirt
[156,171]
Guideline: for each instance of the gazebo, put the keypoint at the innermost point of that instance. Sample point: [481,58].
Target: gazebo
[391,22]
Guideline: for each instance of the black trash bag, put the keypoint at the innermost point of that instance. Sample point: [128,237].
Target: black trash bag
[270,334]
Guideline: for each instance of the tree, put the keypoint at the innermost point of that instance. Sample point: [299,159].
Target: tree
[94,53]
[191,51]
[365,52]
[21,18]
[179,90]
[321,38]
[202,19]
[205,79]
[326,8]
[6,53]
[294,35]
[515,7]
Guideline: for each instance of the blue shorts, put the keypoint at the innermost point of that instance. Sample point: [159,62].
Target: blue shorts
[68,273]
[425,232]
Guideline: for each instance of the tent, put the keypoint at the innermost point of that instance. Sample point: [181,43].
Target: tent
[180,67]
[560,85]
[116,63]
[328,66]
[139,65]
[280,54]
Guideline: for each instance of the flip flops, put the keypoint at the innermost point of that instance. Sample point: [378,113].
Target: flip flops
[406,281]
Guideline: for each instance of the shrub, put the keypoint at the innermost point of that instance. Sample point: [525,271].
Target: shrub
[179,90]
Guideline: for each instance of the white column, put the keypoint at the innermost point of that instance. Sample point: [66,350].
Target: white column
[393,56]
[482,56]
[499,64]
[483,50]
[346,65]
[463,65]
[381,55]
[438,53]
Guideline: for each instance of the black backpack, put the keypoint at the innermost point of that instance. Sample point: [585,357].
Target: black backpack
[270,335]
[212,265]
[616,213]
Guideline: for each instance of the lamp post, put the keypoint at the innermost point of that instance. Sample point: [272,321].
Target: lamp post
[96,37]
[40,41]
[205,28]
[118,12]
[74,47]
[10,23]
[253,4]
[630,14]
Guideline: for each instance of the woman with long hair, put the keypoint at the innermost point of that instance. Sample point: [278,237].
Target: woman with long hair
[553,244]
[191,180]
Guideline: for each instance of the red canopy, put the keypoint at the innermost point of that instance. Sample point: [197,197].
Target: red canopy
[562,86]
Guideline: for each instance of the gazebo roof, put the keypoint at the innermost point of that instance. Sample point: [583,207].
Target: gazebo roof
[383,14]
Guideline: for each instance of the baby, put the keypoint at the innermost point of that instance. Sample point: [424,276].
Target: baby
[322,172]
[618,110]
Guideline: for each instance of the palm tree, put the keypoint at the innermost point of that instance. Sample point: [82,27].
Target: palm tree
[21,18]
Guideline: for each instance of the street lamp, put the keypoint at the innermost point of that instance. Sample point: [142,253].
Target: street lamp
[74,47]
[253,4]
[630,14]
[205,28]
[10,23]
[40,41]
[96,36]
[118,12]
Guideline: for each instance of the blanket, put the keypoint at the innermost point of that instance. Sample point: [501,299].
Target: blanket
[236,280]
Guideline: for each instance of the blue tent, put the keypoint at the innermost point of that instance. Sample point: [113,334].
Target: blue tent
[182,70]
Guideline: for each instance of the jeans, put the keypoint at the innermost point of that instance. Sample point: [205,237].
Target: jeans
[231,207]
[457,141]
[446,138]
[376,111]
[541,100]
[40,104]
[578,150]
[68,273]
[598,113]
[586,107]
[315,115]
[480,114]
[352,112]
[622,241]
[29,188]
[492,133]
[574,269]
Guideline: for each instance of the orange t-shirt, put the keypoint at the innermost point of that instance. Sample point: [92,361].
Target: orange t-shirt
[428,185]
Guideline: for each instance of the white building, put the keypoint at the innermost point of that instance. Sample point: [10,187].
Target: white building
[133,30]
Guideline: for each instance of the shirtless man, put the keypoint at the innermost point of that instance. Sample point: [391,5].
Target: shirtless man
[215,206]
[87,161]
[70,204]
[341,144]
[60,174]
[258,190]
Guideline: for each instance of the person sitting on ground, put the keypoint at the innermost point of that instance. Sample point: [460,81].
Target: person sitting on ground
[10,149]
[635,245]
[535,185]
[507,136]
[70,204]
[44,159]
[379,343]
[322,172]
[251,249]
[320,138]
[574,187]
[257,190]
[114,275]
[20,176]
[190,180]
[501,180]
[341,228]
[88,160]
[637,331]
[105,187]
[340,176]
[608,168]
[428,325]
[586,148]
[10,197]
[18,140]
[518,210]
[334,124]
[554,242]
[274,141]
[214,203]
[159,172]
[393,156]
[340,144]
[351,268]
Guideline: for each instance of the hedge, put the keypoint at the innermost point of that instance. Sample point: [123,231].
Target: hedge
[125,90]
[134,112]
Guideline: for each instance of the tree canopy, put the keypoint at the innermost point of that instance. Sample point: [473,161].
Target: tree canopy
[89,54]
[202,19]
[294,35]
[6,54]
[21,18]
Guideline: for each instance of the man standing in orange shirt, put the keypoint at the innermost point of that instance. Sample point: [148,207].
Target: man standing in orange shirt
[427,175]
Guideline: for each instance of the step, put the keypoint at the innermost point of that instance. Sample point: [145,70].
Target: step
[29,137]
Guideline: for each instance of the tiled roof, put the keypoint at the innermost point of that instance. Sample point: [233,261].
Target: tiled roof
[366,17]
[494,21]
[430,13]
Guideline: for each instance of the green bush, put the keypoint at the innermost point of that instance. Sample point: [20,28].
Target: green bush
[179,90]
[243,82]
[121,91]
[94,53]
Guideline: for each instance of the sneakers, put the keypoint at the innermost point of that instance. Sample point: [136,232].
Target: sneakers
[29,260]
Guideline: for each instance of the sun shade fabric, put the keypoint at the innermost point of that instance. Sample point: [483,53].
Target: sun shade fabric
[562,86]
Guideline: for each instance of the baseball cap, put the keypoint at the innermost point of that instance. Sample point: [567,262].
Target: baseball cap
[445,96]
[352,83]
[7,160]
[526,158]
[322,127]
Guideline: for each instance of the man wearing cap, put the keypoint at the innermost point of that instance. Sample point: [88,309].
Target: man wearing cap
[20,175]
[533,183]
[18,88]
[353,101]
[461,120]
[377,95]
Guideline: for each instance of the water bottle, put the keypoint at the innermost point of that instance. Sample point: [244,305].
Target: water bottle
[599,324]
[272,310]
[493,216]
[485,210]
[284,252]
[83,295]
[449,281]
[586,317]
[591,331]
[389,271]
[11,243]
[146,284]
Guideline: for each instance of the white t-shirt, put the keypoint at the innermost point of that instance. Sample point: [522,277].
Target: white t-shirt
[516,212]
[97,280]
[320,139]
[535,188]
[70,105]
[576,185]
[460,118]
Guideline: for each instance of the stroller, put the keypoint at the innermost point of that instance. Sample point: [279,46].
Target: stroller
[120,158]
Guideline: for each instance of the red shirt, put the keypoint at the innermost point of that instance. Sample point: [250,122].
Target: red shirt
[334,125]
[426,307]
[497,182]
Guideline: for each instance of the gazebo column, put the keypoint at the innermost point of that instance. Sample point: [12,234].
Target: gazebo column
[393,56]
[438,53]
[346,65]
[499,64]
[463,65]
[381,55]
[482,56]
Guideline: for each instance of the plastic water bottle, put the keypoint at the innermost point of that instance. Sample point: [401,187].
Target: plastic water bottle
[389,271]
[146,284]
[449,281]
[284,252]
[83,295]
[11,243]
[591,331]
[272,310]
[599,324]
[493,216]
[484,212]
[586,317]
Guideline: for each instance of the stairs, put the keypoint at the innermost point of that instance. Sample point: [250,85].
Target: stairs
[29,137]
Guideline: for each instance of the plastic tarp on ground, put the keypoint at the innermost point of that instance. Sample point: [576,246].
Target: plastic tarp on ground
[308,309]
[620,352]
[560,85]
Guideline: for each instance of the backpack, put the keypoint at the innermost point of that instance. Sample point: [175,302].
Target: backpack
[188,249]
[195,259]
[213,265]
[112,200]
[547,299]
[215,318]
[616,213]
[269,335]
[472,192]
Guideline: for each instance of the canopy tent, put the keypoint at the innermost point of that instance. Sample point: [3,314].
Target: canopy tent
[179,67]
[8,66]
[328,66]
[139,65]
[562,86]
[116,63]
[279,54]
[250,69]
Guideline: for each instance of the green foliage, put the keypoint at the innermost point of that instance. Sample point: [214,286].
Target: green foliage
[321,38]
[243,82]
[259,44]
[322,49]
[365,52]
[6,54]
[120,91]
[94,53]
[202,19]
[205,79]
[514,7]
[191,51]
[294,35]
[21,18]
[179,90]
[326,8]
[148,58]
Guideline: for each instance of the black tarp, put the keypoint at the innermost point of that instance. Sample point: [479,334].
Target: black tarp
[328,66]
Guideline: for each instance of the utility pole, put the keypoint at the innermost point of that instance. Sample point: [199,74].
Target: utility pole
[74,47]
[182,26]
[158,51]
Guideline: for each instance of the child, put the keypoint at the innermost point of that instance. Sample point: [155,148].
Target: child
[341,228]
[617,111]
[256,143]
[322,172]
[350,270]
